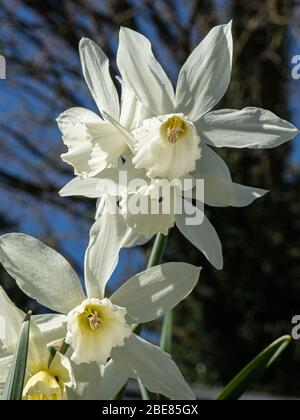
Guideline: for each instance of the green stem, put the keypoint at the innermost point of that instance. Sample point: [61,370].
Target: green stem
[158,250]
[166,333]
[166,339]
[156,256]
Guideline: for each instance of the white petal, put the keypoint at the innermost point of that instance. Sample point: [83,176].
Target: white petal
[128,137]
[133,239]
[218,191]
[102,254]
[11,319]
[204,237]
[250,127]
[73,126]
[108,145]
[61,368]
[221,192]
[3,351]
[88,380]
[155,368]
[52,326]
[38,354]
[156,291]
[93,144]
[204,78]
[5,364]
[94,187]
[114,377]
[150,209]
[146,226]
[95,66]
[212,164]
[131,109]
[143,74]
[80,187]
[40,272]
[246,195]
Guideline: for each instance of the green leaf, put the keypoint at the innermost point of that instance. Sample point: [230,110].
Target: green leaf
[254,370]
[166,340]
[15,382]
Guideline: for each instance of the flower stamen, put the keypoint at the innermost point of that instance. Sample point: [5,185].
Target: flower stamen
[94,320]
[175,128]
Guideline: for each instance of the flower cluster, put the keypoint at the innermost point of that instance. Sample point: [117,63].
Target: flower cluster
[155,134]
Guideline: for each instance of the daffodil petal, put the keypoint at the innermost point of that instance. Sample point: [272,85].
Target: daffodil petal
[143,74]
[131,108]
[205,76]
[113,378]
[88,381]
[204,237]
[154,292]
[211,163]
[11,319]
[41,272]
[107,181]
[250,127]
[5,364]
[102,255]
[221,192]
[244,195]
[73,126]
[153,367]
[95,66]
[52,326]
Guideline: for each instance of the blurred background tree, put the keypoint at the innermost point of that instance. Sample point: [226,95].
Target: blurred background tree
[234,313]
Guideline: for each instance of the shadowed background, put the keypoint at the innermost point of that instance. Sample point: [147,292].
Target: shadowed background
[232,314]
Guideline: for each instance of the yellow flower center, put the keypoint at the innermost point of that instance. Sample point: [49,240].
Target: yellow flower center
[92,316]
[175,128]
[42,386]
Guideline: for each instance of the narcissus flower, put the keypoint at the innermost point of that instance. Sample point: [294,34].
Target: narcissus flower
[46,378]
[174,139]
[101,329]
[178,131]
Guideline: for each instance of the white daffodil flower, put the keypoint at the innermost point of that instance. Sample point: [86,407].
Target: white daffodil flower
[100,329]
[46,378]
[181,122]
[174,139]
[94,143]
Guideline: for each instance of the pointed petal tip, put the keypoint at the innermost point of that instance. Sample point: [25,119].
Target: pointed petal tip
[198,270]
[219,263]
[84,41]
[124,29]
[263,193]
[219,266]
[61,192]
